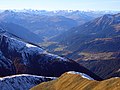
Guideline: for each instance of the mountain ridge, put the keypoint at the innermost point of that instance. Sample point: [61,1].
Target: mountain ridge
[31,59]
[70,81]
[21,81]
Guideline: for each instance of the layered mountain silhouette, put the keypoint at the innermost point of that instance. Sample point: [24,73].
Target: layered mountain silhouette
[95,45]
[47,24]
[40,24]
[19,57]
[103,27]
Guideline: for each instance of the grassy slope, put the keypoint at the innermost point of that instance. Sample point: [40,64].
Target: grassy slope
[76,82]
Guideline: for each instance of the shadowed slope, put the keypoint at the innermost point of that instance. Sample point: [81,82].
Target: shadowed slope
[21,81]
[18,57]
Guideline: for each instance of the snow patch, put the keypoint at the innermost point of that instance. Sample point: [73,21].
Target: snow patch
[82,75]
[22,82]
[53,56]
[30,45]
[25,75]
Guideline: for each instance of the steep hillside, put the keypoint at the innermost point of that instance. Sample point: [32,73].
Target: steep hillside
[97,36]
[99,48]
[101,45]
[20,32]
[106,26]
[21,82]
[73,81]
[98,39]
[107,47]
[103,68]
[21,57]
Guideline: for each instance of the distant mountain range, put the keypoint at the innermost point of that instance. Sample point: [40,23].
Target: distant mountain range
[48,24]
[106,26]
[91,47]
[95,45]
[99,35]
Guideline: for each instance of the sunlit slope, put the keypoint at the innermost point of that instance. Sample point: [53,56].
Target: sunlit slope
[76,82]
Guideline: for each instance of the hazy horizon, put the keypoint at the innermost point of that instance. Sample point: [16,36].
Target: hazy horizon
[85,5]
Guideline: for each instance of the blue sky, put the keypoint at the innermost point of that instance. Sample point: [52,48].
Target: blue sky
[61,4]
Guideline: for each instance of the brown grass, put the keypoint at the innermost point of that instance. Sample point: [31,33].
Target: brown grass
[76,82]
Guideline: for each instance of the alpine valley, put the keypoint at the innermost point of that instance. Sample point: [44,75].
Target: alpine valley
[59,50]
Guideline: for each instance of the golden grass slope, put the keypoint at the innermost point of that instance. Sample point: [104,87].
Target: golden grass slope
[76,82]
